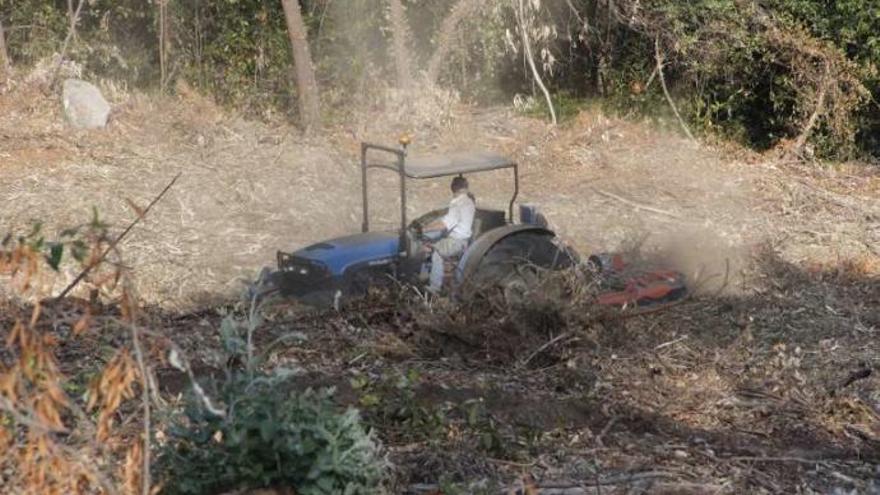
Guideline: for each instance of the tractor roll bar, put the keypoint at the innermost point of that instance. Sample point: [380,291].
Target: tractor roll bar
[426,168]
[400,153]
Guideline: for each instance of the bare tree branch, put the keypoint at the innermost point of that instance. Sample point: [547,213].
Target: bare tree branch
[71,33]
[818,110]
[521,17]
[72,18]
[461,10]
[659,57]
[145,400]
[5,64]
[400,37]
[116,241]
[163,45]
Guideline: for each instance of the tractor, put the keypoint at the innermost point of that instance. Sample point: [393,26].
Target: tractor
[503,254]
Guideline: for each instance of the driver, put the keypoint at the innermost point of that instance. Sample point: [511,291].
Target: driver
[455,229]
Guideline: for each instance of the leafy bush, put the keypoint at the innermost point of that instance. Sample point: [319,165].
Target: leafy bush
[271,438]
[268,436]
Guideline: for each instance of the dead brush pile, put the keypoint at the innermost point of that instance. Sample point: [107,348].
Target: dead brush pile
[538,328]
[771,389]
[81,410]
[64,434]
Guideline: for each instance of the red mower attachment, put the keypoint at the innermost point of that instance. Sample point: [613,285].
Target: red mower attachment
[636,289]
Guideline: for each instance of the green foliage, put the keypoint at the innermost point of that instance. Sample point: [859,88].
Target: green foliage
[749,71]
[752,72]
[566,105]
[271,437]
[77,241]
[392,406]
[237,50]
[391,403]
[268,435]
[34,28]
[851,26]
[114,38]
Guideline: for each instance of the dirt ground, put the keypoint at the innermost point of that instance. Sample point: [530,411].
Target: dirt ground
[761,383]
[248,189]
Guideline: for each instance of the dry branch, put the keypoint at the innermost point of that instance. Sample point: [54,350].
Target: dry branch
[177,359]
[71,33]
[796,460]
[145,403]
[527,48]
[5,65]
[659,57]
[116,241]
[71,17]
[163,43]
[817,112]
[30,420]
[637,206]
[400,37]
[460,11]
[543,348]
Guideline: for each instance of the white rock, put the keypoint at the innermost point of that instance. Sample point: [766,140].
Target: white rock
[84,105]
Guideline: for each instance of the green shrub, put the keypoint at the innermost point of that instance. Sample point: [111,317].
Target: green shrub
[267,434]
[271,437]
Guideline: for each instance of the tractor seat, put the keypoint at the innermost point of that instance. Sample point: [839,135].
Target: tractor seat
[486,220]
[476,229]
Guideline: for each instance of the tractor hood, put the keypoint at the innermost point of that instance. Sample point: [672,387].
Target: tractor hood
[343,252]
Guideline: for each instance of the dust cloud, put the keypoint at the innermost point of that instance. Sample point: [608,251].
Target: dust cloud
[711,263]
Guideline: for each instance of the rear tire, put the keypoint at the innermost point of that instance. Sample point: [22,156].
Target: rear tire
[512,268]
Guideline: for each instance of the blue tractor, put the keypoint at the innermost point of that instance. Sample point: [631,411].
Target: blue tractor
[347,267]
[504,255]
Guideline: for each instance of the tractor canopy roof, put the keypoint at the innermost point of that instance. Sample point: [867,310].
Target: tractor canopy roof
[429,167]
[440,165]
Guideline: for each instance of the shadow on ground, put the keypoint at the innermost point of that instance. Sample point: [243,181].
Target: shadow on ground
[770,390]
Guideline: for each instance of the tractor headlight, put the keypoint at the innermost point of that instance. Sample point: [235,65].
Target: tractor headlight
[303,271]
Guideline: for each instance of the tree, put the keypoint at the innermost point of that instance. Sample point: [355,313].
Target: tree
[4,55]
[524,24]
[162,5]
[402,60]
[460,11]
[306,85]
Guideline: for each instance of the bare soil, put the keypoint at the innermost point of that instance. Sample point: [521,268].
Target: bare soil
[764,382]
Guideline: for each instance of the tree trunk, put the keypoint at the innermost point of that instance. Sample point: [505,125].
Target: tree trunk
[307,86]
[445,38]
[527,48]
[819,109]
[5,65]
[402,60]
[163,54]
[71,18]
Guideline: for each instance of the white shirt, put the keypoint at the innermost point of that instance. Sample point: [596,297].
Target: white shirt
[460,218]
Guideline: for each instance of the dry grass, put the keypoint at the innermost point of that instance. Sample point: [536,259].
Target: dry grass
[742,390]
[246,190]
[250,188]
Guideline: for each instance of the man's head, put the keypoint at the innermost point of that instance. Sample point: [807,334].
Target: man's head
[459,184]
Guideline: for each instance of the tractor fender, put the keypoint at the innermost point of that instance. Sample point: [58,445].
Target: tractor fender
[482,245]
